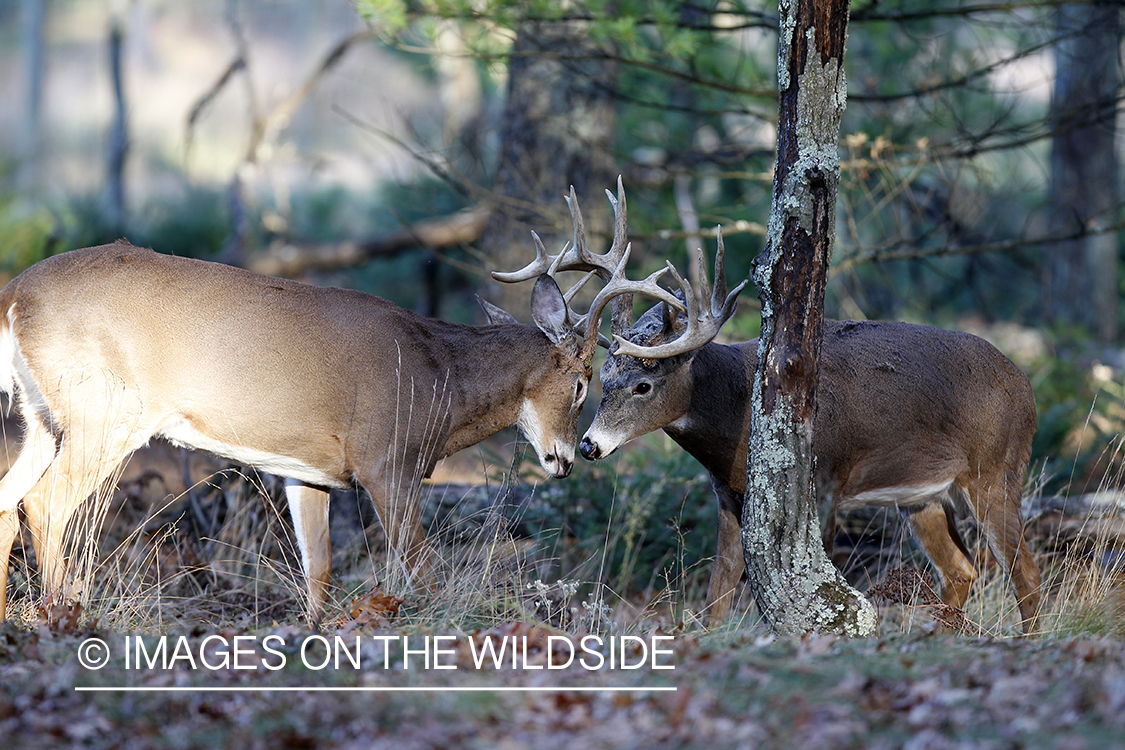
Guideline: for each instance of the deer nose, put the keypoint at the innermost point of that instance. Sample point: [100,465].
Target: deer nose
[565,465]
[558,466]
[589,449]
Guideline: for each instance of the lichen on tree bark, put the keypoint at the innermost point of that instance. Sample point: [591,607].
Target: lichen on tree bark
[797,588]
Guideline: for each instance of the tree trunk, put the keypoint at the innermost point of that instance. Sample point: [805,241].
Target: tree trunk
[1080,275]
[797,588]
[557,131]
[119,133]
[34,25]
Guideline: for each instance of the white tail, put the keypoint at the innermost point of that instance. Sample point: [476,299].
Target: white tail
[105,347]
[927,420]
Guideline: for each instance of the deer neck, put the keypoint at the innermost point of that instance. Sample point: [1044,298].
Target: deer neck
[490,367]
[713,429]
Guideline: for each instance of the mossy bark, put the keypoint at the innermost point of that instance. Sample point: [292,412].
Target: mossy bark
[797,588]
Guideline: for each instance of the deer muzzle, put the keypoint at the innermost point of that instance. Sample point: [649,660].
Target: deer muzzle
[558,466]
[590,450]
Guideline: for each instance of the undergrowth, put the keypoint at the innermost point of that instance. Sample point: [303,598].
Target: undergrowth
[624,546]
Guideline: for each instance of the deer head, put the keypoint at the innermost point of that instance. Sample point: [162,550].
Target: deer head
[646,378]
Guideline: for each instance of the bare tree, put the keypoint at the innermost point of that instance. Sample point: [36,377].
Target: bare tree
[1080,274]
[34,23]
[796,586]
[557,131]
[119,131]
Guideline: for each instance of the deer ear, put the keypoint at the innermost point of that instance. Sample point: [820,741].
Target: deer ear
[496,316]
[673,325]
[548,309]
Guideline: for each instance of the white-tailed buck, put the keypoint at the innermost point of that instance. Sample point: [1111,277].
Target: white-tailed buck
[106,347]
[933,422]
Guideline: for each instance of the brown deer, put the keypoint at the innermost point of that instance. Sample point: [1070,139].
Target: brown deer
[106,347]
[933,422]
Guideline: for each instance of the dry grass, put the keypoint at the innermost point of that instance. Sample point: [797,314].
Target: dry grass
[223,554]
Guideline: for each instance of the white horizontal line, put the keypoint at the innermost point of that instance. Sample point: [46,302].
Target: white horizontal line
[289,689]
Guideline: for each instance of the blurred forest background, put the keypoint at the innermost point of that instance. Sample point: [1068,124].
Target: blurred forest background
[407,148]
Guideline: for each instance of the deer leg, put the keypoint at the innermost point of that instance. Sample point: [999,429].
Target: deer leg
[308,506]
[826,511]
[932,526]
[9,528]
[49,508]
[38,450]
[36,454]
[401,515]
[729,561]
[997,506]
[85,459]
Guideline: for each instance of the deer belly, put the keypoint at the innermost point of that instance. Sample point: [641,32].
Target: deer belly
[181,432]
[904,495]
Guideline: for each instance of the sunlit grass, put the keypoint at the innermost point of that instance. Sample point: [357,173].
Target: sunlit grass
[225,556]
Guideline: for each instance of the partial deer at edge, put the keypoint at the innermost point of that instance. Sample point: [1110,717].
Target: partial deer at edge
[104,348]
[934,422]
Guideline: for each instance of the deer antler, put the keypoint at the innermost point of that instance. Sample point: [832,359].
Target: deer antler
[576,256]
[620,287]
[702,324]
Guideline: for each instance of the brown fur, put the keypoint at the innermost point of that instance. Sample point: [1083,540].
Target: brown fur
[898,406]
[326,387]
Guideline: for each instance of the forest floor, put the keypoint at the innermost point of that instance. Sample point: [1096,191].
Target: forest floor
[192,641]
[725,690]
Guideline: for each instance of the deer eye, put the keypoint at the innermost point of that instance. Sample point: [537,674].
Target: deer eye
[578,389]
[642,388]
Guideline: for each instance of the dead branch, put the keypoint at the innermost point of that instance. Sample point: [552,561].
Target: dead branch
[901,251]
[288,259]
[1094,521]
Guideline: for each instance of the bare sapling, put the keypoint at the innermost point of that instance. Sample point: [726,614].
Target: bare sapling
[104,348]
[933,422]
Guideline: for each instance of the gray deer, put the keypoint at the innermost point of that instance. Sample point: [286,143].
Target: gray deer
[934,422]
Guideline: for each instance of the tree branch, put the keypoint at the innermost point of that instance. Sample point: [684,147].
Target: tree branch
[293,260]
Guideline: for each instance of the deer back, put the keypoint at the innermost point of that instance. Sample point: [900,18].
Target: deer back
[897,404]
[253,367]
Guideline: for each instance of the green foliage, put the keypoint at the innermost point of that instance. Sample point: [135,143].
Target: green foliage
[191,224]
[643,523]
[390,15]
[629,27]
[1081,406]
[26,236]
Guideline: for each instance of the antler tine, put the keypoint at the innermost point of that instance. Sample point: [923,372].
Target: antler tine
[704,284]
[723,304]
[620,286]
[620,222]
[703,324]
[720,290]
[621,311]
[542,264]
[573,256]
[578,256]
